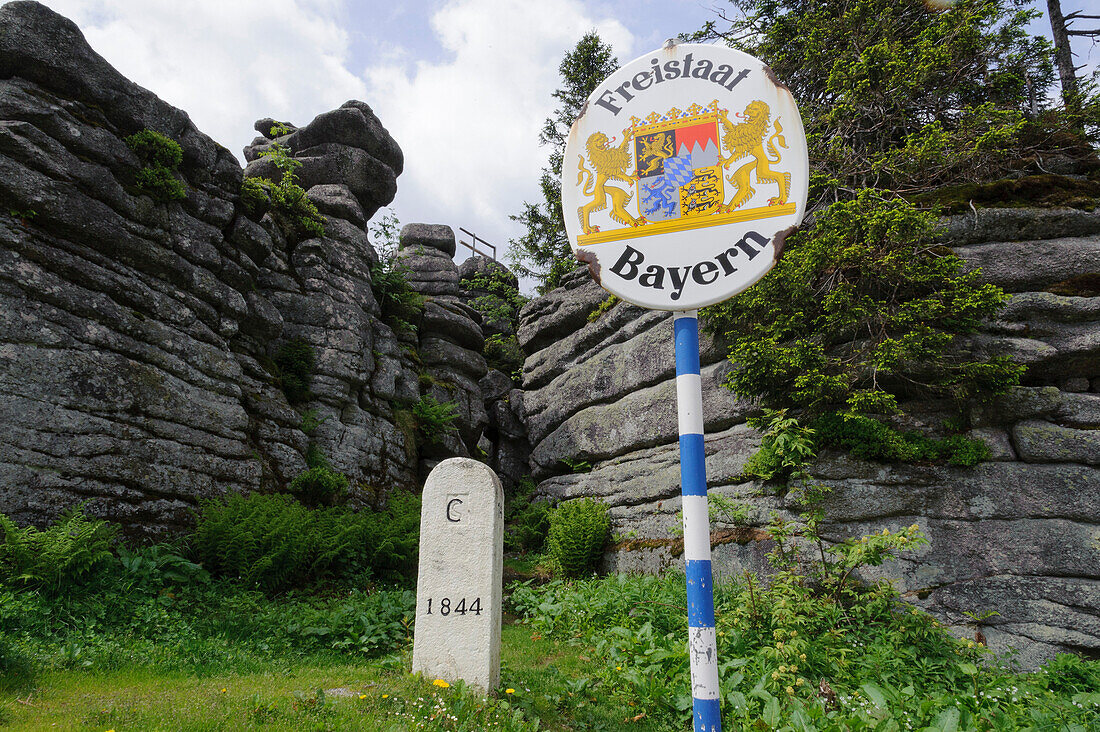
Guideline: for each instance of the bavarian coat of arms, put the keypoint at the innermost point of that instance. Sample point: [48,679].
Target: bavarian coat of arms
[683,170]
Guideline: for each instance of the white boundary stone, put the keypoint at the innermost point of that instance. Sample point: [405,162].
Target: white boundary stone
[461,561]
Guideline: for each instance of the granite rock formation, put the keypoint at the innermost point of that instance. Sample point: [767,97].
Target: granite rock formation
[450,339]
[1019,534]
[140,339]
[504,445]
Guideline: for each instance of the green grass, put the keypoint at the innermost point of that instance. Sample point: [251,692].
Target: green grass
[547,678]
[593,654]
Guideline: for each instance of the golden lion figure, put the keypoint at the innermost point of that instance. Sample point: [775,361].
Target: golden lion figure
[747,138]
[657,149]
[611,163]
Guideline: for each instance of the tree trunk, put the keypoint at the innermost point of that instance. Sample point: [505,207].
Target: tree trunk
[1063,57]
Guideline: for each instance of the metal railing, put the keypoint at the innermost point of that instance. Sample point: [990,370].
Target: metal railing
[472,244]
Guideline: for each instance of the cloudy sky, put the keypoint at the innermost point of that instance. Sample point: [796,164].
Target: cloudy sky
[462,85]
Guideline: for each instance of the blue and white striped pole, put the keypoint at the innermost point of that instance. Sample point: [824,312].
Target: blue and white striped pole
[702,642]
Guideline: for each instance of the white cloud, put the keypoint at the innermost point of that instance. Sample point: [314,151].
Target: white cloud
[469,126]
[226,63]
[468,120]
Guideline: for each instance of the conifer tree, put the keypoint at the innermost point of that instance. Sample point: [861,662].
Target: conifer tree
[543,250]
[1075,94]
[865,313]
[904,95]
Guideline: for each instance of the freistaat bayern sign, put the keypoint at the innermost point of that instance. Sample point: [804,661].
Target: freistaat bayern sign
[682,176]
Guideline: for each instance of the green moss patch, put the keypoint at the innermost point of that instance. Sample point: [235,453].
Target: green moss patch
[1082,285]
[1032,191]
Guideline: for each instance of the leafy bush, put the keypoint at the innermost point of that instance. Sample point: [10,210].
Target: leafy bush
[895,96]
[577,535]
[786,447]
[319,486]
[981,144]
[869,439]
[275,543]
[791,660]
[502,352]
[399,303]
[392,537]
[255,196]
[381,622]
[289,205]
[960,450]
[862,310]
[501,301]
[71,551]
[434,419]
[1069,674]
[810,649]
[157,566]
[295,362]
[160,157]
[864,437]
[267,541]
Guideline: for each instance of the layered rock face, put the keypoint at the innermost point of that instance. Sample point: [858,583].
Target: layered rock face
[450,338]
[504,444]
[137,337]
[131,328]
[1019,534]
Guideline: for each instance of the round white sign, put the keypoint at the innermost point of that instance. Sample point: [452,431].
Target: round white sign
[683,175]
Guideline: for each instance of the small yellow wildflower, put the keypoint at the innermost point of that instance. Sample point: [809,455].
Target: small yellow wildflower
[914,527]
[790,690]
[440,683]
[362,696]
[618,668]
[509,691]
[782,669]
[223,691]
[385,696]
[800,681]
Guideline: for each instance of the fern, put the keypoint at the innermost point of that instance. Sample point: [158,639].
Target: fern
[295,361]
[434,419]
[275,543]
[577,535]
[68,553]
[319,485]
